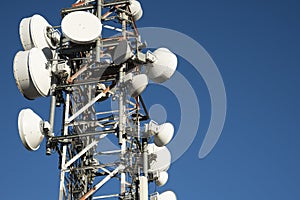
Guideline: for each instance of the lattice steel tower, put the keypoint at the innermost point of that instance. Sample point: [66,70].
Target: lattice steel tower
[93,61]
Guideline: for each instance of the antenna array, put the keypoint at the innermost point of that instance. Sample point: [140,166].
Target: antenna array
[96,55]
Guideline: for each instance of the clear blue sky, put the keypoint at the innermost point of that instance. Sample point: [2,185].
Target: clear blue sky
[255,45]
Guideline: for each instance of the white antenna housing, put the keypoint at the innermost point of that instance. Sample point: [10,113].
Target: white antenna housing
[162,162]
[122,53]
[162,179]
[81,27]
[36,32]
[138,84]
[136,9]
[30,127]
[163,133]
[168,195]
[164,67]
[25,34]
[31,73]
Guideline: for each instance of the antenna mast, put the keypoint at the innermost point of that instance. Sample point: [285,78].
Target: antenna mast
[96,56]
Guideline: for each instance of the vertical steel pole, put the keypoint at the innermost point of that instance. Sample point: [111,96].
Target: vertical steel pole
[98,44]
[122,125]
[122,115]
[51,121]
[52,113]
[144,177]
[64,151]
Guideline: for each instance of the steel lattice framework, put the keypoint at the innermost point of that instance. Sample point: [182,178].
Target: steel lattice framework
[84,76]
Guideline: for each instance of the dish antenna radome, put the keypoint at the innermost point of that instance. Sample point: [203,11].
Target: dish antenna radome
[135,84]
[136,9]
[31,73]
[161,158]
[168,195]
[81,27]
[36,32]
[162,179]
[138,84]
[164,67]
[31,128]
[163,133]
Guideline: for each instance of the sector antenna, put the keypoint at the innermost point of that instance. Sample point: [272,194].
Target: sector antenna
[96,55]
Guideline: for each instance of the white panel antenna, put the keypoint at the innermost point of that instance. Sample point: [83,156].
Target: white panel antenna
[122,53]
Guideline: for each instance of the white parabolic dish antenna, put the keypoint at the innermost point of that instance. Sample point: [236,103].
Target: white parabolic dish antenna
[30,127]
[81,27]
[40,73]
[138,84]
[162,161]
[164,135]
[164,67]
[162,179]
[168,195]
[32,76]
[136,9]
[33,33]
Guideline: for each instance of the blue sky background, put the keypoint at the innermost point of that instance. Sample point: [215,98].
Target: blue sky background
[255,45]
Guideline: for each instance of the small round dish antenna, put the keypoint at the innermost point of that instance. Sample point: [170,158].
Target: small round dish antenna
[81,27]
[160,160]
[168,195]
[164,67]
[32,76]
[136,9]
[30,127]
[162,179]
[164,135]
[138,84]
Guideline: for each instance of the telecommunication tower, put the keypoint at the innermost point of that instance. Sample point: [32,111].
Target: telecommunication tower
[94,56]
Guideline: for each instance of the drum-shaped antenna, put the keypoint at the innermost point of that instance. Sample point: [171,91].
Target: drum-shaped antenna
[31,73]
[162,179]
[164,135]
[33,33]
[30,127]
[164,66]
[138,84]
[168,195]
[159,158]
[136,9]
[25,34]
[81,27]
